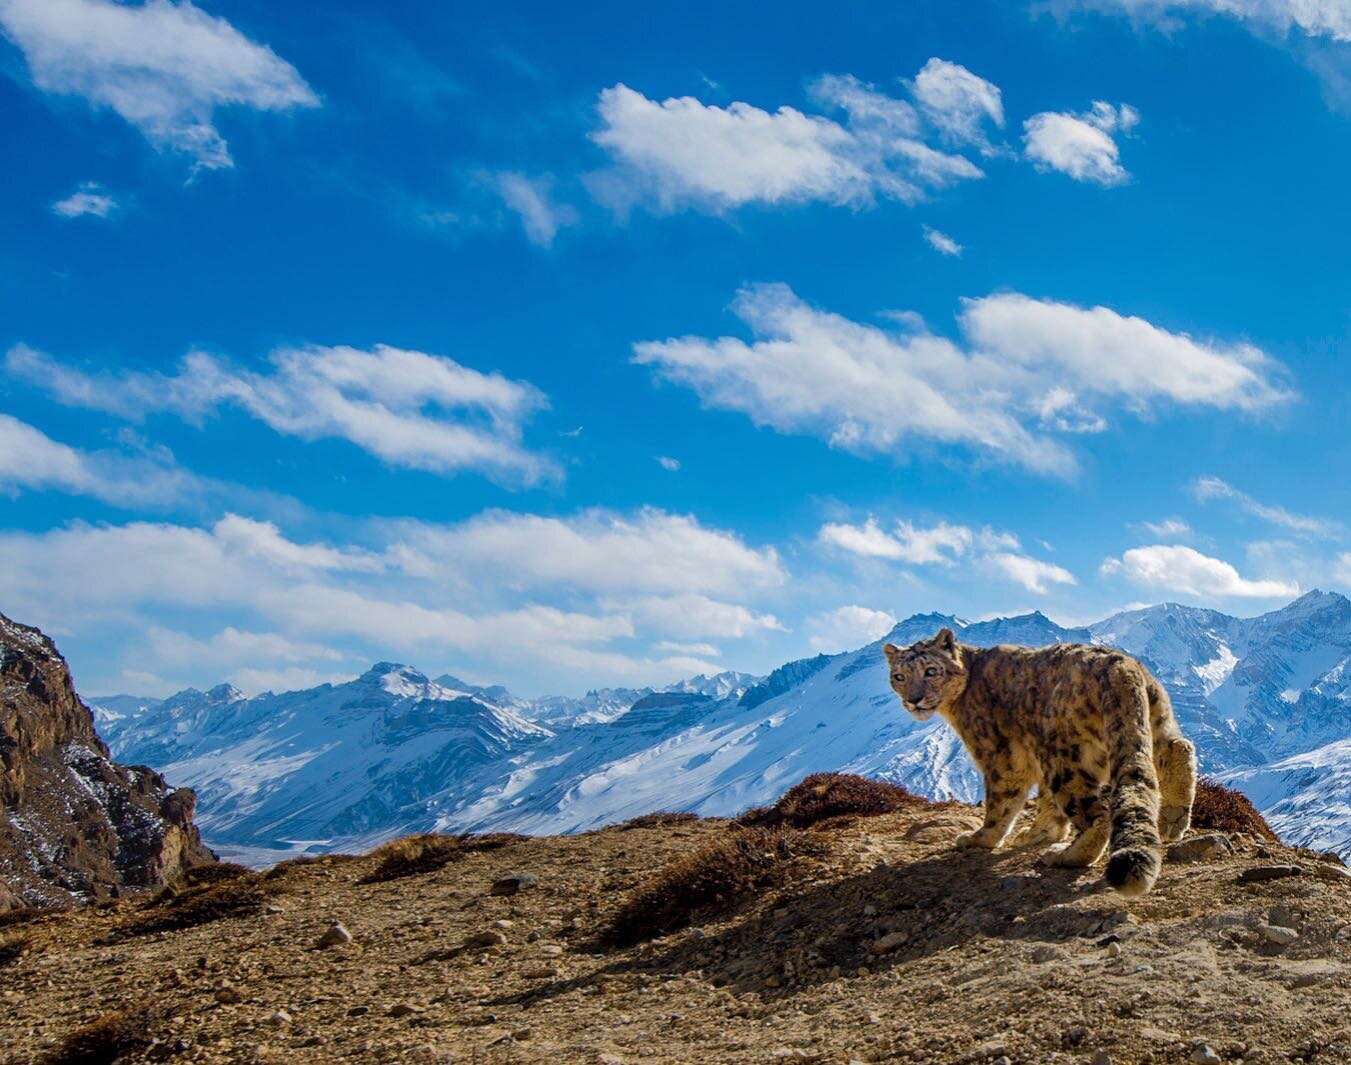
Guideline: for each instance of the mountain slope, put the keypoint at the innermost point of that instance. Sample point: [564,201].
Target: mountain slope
[349,765]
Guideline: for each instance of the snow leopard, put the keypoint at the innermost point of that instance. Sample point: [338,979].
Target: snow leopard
[1089,726]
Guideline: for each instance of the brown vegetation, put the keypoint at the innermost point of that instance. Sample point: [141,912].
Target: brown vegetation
[426,853]
[656,820]
[188,906]
[102,1041]
[12,949]
[710,880]
[826,795]
[1222,809]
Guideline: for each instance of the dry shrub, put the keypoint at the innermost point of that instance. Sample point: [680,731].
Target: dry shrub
[102,1041]
[826,795]
[301,861]
[28,914]
[658,819]
[178,907]
[12,949]
[428,852]
[1222,809]
[214,873]
[708,880]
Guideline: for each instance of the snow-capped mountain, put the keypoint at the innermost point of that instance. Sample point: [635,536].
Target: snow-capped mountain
[392,752]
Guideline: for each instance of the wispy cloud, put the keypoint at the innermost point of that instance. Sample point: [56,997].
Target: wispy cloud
[90,199]
[532,200]
[846,627]
[1329,19]
[941,242]
[408,408]
[162,66]
[944,544]
[1208,488]
[872,391]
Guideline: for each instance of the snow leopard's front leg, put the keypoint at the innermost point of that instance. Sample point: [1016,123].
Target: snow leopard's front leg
[1004,799]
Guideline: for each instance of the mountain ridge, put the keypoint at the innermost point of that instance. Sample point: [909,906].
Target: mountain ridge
[417,754]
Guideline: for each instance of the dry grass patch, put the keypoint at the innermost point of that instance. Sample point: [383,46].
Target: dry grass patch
[708,880]
[428,852]
[182,905]
[12,949]
[102,1041]
[822,796]
[215,873]
[1222,809]
[658,819]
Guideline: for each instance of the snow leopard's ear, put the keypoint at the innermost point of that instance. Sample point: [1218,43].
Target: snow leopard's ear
[946,640]
[891,650]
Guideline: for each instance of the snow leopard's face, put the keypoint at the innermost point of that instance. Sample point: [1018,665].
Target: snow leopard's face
[928,675]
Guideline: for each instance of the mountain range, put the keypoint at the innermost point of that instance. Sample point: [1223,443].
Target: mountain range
[1267,700]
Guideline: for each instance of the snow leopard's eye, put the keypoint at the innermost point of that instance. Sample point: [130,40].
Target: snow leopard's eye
[932,671]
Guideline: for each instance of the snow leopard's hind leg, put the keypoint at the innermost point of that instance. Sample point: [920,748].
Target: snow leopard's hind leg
[1175,763]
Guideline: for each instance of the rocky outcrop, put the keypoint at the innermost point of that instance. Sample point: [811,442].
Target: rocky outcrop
[75,826]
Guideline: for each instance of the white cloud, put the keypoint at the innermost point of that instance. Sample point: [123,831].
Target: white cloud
[531,198]
[871,391]
[1208,488]
[847,627]
[408,408]
[90,198]
[31,460]
[1033,574]
[1081,145]
[941,242]
[599,551]
[1315,18]
[162,66]
[698,650]
[1174,568]
[667,463]
[958,102]
[940,544]
[692,616]
[595,598]
[1168,529]
[680,153]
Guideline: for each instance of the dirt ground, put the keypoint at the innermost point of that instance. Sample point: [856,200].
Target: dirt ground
[887,946]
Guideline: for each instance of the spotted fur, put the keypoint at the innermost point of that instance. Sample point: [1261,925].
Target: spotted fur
[1089,726]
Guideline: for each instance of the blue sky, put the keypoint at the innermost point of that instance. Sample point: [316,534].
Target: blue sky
[567,348]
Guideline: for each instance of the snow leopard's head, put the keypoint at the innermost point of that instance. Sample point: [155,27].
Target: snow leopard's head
[928,675]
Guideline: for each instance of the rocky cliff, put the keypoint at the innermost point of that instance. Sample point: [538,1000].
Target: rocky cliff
[75,826]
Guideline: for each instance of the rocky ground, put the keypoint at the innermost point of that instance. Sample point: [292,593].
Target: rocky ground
[884,945]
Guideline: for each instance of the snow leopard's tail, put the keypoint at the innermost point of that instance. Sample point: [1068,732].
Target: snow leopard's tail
[1136,852]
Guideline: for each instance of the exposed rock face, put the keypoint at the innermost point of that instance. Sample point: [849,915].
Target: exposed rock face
[75,826]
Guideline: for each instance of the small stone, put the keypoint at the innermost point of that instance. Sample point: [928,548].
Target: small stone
[1073,1037]
[869,910]
[280,1019]
[1334,873]
[1114,950]
[484,940]
[229,996]
[513,883]
[504,924]
[272,907]
[522,1034]
[336,936]
[889,942]
[1205,1054]
[404,1009]
[773,981]
[1274,933]
[1045,952]
[1102,1058]
[358,1011]
[1201,848]
[551,949]
[1258,873]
